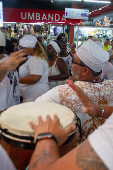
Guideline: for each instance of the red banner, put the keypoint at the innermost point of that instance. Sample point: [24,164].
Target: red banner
[21,15]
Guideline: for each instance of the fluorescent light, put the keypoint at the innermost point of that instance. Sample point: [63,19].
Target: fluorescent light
[106,2]
[66,0]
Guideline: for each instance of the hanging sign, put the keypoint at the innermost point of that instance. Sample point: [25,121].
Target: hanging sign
[35,15]
[72,13]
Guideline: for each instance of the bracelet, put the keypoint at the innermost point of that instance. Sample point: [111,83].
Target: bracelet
[102,111]
[46,135]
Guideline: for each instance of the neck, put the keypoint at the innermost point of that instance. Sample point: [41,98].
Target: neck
[63,53]
[53,57]
[94,79]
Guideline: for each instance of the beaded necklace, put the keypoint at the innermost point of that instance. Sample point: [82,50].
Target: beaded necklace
[96,81]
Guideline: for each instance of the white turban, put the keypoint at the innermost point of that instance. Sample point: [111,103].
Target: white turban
[55,46]
[2,39]
[98,42]
[28,41]
[93,55]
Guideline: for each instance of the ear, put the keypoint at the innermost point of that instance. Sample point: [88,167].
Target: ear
[85,71]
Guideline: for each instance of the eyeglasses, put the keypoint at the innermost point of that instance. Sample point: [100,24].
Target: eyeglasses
[74,62]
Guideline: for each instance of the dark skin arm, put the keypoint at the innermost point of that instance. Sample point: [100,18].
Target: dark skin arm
[62,66]
[30,79]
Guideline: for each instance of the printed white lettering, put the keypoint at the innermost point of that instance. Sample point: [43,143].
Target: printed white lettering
[37,16]
[22,15]
[57,17]
[63,18]
[30,16]
[50,17]
[44,17]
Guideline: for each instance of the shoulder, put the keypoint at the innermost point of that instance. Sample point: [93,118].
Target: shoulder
[60,61]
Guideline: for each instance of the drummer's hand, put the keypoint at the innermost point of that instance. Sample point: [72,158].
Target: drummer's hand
[54,127]
[89,106]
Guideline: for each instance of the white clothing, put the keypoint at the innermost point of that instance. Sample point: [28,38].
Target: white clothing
[34,66]
[100,93]
[102,142]
[9,91]
[54,71]
[111,53]
[5,161]
[107,71]
[68,59]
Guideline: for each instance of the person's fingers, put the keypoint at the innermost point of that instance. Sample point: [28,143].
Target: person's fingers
[56,118]
[20,56]
[32,125]
[85,110]
[40,120]
[48,118]
[70,129]
[21,60]
[68,81]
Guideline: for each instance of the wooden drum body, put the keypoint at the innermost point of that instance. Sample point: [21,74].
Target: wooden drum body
[17,135]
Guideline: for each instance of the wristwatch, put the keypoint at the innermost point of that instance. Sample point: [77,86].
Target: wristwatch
[46,135]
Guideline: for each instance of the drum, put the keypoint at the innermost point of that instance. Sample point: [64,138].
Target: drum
[17,135]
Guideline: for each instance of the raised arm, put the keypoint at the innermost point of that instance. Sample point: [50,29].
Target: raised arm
[11,63]
[90,108]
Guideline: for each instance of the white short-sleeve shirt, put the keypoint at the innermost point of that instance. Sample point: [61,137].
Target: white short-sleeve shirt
[102,142]
[34,66]
[9,90]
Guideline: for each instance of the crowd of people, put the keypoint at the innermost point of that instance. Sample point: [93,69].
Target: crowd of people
[32,73]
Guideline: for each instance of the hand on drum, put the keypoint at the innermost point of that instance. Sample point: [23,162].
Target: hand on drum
[89,106]
[54,127]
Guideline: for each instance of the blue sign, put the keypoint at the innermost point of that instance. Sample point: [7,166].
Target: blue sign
[73,13]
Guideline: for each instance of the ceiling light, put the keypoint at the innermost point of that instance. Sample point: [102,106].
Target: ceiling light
[106,2]
[66,0]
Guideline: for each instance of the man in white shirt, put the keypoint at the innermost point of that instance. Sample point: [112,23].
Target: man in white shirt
[87,66]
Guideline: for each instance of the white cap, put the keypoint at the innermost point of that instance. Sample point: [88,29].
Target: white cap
[28,41]
[2,39]
[98,42]
[55,46]
[93,55]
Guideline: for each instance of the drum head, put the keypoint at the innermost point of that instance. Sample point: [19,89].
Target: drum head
[16,119]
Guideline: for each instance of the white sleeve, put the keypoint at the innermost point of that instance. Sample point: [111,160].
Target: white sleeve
[102,142]
[50,96]
[110,72]
[35,66]
[5,161]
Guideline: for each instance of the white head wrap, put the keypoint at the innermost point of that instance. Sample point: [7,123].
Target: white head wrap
[98,42]
[2,39]
[28,41]
[94,56]
[55,46]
